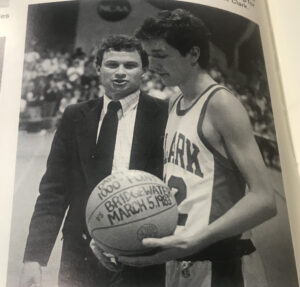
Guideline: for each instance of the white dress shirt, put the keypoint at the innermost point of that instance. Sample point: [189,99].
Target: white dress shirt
[126,116]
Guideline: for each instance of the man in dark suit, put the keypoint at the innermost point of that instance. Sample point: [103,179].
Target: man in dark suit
[76,164]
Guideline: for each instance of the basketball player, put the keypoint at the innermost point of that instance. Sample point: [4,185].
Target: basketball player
[210,158]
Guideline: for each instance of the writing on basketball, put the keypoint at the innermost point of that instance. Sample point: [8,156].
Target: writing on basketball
[135,205]
[112,183]
[124,204]
[104,192]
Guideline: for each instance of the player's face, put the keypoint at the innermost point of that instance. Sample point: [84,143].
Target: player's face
[120,73]
[167,61]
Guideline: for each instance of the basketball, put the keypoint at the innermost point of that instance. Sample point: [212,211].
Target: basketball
[128,206]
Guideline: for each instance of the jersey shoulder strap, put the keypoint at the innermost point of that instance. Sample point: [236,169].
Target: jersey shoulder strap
[172,102]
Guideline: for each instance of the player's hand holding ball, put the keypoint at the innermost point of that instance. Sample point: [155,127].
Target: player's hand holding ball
[126,207]
[169,248]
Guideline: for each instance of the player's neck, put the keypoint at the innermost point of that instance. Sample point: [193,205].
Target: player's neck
[196,84]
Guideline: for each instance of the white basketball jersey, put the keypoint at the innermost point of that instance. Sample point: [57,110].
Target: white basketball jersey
[206,183]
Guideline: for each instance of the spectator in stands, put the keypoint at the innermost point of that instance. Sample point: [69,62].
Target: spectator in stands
[79,54]
[62,64]
[89,72]
[51,100]
[50,64]
[93,89]
[31,55]
[68,99]
[40,87]
[75,71]
[32,102]
[30,71]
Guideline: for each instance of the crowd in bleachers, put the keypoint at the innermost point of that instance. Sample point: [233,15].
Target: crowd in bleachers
[54,80]
[253,93]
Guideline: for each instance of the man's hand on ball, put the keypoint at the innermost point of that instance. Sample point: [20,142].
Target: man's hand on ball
[169,248]
[107,260]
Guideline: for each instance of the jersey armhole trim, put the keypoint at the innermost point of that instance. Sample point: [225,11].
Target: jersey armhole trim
[227,162]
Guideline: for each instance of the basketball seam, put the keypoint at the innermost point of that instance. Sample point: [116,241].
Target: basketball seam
[126,250]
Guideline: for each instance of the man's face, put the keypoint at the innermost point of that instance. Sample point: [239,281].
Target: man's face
[120,73]
[167,61]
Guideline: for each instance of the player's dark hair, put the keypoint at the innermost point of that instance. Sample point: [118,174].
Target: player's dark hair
[121,43]
[181,30]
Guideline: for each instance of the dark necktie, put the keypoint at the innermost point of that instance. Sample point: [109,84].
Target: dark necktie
[107,139]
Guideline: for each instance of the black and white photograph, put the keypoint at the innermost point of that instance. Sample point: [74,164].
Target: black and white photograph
[2,46]
[147,151]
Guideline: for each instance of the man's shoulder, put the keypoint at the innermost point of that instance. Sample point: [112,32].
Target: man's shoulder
[153,103]
[223,100]
[226,111]
[83,106]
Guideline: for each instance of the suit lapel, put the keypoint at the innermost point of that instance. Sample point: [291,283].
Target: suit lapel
[86,132]
[142,136]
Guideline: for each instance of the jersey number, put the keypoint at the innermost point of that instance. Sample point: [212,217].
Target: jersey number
[179,184]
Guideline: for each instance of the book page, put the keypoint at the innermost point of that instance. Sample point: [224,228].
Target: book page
[44,44]
[285,23]
[285,26]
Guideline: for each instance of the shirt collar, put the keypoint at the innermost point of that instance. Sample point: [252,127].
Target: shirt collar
[128,103]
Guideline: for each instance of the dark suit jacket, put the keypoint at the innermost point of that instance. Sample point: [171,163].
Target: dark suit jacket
[72,173]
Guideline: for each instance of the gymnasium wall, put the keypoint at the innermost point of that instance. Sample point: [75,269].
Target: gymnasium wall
[91,28]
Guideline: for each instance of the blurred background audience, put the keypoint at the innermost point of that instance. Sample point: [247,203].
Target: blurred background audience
[52,80]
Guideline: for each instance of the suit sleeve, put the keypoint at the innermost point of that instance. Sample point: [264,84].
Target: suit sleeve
[53,198]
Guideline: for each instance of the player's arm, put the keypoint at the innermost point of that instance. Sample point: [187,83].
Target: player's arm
[232,124]
[258,205]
